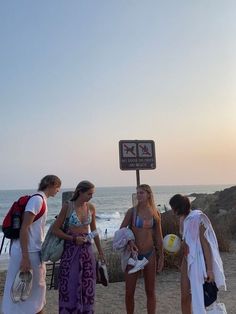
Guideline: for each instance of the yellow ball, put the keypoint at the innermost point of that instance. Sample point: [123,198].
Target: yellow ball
[171,243]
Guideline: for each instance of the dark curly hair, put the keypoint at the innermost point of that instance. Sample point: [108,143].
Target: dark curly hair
[180,204]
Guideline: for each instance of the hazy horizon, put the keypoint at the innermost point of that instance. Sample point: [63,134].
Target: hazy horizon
[131,186]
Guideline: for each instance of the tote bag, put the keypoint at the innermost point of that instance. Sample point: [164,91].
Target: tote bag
[53,246]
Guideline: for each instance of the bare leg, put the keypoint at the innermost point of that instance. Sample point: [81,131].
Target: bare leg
[149,273]
[185,289]
[130,285]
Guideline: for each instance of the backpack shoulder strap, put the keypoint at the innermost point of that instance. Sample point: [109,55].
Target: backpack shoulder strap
[69,209]
[43,208]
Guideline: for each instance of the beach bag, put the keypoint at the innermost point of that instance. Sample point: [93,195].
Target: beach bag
[102,273]
[53,246]
[12,222]
[210,293]
[216,308]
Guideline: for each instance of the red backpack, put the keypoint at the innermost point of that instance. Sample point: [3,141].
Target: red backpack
[12,222]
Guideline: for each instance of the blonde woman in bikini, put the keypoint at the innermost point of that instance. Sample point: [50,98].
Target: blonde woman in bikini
[145,222]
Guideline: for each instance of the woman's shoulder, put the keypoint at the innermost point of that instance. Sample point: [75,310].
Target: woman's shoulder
[91,207]
[131,209]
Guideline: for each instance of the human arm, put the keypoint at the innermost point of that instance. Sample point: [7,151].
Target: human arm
[207,253]
[33,207]
[127,222]
[24,240]
[93,227]
[158,241]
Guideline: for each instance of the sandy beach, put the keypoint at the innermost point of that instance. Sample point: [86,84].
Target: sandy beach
[110,300]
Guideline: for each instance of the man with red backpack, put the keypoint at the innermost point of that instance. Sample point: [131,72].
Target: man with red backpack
[25,287]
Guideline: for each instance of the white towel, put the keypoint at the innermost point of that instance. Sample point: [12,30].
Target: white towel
[120,241]
[196,263]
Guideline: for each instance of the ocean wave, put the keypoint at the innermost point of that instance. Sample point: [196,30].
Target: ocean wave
[108,216]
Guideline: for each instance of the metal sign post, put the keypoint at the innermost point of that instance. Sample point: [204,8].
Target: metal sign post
[137,177]
[137,155]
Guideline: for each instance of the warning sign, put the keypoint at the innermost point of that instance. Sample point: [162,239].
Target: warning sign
[136,155]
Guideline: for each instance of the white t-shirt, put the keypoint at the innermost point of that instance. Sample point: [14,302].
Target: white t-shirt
[37,228]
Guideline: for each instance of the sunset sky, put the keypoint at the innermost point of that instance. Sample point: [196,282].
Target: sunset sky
[78,76]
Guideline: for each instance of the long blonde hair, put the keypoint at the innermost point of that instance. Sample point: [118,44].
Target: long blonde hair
[151,201]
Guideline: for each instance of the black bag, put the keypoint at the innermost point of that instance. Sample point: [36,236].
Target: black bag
[210,292]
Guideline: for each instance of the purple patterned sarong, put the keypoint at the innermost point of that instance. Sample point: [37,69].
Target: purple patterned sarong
[77,279]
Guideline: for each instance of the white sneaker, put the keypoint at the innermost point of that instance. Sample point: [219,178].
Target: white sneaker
[138,265]
[132,261]
[16,288]
[21,287]
[27,285]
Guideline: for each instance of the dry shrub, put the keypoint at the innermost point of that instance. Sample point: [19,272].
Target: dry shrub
[172,260]
[232,224]
[114,267]
[221,226]
[169,223]
[113,261]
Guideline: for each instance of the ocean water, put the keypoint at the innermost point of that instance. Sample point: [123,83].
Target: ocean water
[111,203]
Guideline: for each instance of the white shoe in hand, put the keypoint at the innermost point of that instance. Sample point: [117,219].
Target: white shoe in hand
[22,286]
[138,265]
